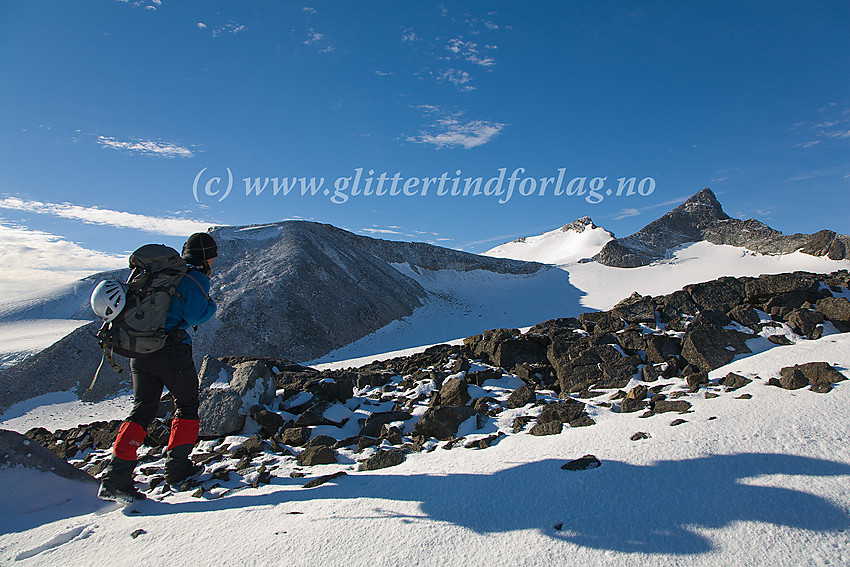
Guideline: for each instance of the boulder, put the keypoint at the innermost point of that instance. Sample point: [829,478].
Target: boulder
[664,406]
[480,376]
[529,349]
[805,322]
[269,421]
[454,393]
[734,381]
[836,309]
[338,389]
[712,348]
[792,378]
[547,428]
[661,347]
[220,412]
[567,411]
[253,382]
[775,284]
[384,458]
[442,422]
[520,397]
[376,421]
[636,308]
[212,370]
[722,294]
[315,415]
[19,450]
[746,316]
[585,463]
[814,373]
[293,436]
[317,455]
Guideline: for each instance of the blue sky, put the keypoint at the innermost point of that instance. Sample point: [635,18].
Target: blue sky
[112,107]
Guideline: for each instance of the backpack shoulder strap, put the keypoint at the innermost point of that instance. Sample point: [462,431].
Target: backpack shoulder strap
[197,283]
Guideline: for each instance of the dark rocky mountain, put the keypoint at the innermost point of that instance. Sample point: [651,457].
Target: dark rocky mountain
[294,290]
[702,218]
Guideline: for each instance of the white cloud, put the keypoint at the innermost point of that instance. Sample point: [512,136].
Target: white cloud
[458,78]
[808,144]
[626,213]
[309,9]
[35,261]
[469,51]
[408,35]
[319,40]
[834,125]
[380,231]
[147,4]
[201,25]
[838,134]
[146,147]
[230,28]
[96,215]
[451,131]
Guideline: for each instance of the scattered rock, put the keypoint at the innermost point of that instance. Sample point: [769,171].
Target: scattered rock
[679,421]
[376,421]
[318,481]
[640,435]
[220,412]
[442,422]
[520,397]
[584,463]
[137,533]
[547,428]
[792,378]
[734,381]
[269,421]
[319,455]
[383,459]
[454,393]
[665,406]
[295,436]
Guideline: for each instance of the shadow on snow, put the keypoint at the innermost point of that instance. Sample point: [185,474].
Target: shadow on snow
[657,508]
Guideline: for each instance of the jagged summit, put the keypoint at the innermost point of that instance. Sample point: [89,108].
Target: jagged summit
[701,217]
[568,244]
[579,225]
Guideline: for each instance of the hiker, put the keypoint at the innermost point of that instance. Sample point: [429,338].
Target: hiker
[172,367]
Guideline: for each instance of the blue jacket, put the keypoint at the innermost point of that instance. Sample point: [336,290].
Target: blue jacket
[191,304]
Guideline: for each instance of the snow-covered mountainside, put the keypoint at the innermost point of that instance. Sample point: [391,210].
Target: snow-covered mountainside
[705,427]
[578,240]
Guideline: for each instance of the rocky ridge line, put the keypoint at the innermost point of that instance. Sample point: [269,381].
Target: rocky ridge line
[701,217]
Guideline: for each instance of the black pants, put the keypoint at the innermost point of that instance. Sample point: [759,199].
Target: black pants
[171,367]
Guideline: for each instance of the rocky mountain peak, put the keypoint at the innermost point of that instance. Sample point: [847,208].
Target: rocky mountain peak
[701,217]
[579,225]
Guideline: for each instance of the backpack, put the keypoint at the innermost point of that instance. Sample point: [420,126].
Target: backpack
[140,327]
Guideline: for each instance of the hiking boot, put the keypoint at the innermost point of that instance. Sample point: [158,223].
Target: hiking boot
[178,467]
[116,482]
[126,496]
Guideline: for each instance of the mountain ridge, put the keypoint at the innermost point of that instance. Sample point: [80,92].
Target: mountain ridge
[701,217]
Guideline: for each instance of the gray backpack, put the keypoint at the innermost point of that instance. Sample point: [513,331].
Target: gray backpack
[140,327]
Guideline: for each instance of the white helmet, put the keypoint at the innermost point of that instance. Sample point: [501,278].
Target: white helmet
[108,299]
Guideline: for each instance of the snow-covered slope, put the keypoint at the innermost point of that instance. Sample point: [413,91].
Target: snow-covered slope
[569,244]
[757,476]
[603,286]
